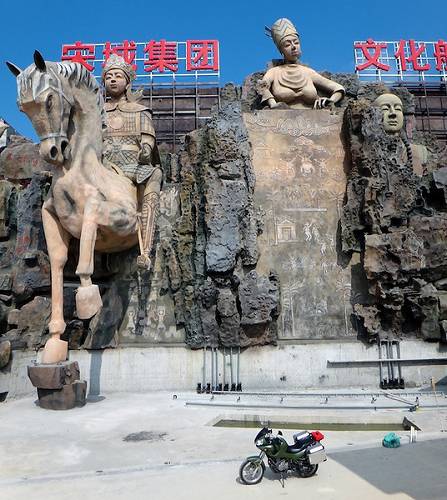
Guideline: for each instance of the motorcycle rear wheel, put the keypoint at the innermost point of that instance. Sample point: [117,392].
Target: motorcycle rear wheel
[306,469]
[251,472]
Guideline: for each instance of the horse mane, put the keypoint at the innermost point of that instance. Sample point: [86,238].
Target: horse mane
[73,72]
[79,75]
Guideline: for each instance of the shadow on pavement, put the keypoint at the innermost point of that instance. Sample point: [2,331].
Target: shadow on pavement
[418,469]
[269,475]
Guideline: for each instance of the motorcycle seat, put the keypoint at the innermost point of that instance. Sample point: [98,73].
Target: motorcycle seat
[296,447]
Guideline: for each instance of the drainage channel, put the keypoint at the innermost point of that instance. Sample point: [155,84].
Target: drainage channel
[322,426]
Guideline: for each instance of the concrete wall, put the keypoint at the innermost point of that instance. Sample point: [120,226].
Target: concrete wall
[285,367]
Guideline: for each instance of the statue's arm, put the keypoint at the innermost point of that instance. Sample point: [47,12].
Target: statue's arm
[333,90]
[147,138]
[264,90]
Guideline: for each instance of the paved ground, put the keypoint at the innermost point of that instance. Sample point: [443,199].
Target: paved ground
[81,454]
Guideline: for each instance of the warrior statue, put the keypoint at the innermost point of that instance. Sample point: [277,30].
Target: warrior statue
[290,83]
[130,149]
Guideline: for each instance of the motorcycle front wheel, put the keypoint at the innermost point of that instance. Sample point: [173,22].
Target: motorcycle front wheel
[251,472]
[306,469]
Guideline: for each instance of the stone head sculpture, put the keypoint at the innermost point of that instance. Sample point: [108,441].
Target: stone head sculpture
[286,39]
[392,112]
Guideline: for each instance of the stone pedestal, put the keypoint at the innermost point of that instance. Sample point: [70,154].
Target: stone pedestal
[58,385]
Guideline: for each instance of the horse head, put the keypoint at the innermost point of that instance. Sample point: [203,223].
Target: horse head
[47,103]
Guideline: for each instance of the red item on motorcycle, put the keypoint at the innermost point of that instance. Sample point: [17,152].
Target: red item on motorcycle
[317,435]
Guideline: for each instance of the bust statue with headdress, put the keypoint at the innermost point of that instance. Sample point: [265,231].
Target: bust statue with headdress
[290,83]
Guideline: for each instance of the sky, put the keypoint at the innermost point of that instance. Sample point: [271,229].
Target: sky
[327,30]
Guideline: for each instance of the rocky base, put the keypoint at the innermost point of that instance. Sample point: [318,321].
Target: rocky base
[58,385]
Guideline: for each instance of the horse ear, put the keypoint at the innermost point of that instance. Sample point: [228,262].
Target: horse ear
[39,61]
[15,70]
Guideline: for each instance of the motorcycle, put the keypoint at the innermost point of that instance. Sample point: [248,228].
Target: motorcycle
[303,456]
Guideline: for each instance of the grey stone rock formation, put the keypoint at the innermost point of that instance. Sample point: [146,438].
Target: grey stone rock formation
[223,300]
[394,220]
[21,159]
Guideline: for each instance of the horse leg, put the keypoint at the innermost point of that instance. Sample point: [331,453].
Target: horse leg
[88,298]
[57,243]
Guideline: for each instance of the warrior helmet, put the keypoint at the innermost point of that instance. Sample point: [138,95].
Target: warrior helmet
[117,62]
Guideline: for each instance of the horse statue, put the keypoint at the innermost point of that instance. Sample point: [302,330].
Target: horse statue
[86,201]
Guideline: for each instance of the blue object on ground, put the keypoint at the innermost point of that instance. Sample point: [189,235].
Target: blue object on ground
[391,440]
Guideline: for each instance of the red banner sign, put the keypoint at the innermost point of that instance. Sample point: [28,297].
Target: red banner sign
[154,56]
[401,59]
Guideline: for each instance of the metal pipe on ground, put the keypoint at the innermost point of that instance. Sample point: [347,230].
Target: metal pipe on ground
[238,382]
[394,382]
[380,363]
[306,407]
[212,370]
[367,394]
[387,350]
[405,361]
[217,368]
[204,370]
[399,366]
[233,386]
[224,369]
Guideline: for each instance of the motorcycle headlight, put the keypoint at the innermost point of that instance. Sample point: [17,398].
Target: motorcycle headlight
[259,442]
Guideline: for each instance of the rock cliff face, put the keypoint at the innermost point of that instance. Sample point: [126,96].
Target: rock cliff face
[394,225]
[24,264]
[223,299]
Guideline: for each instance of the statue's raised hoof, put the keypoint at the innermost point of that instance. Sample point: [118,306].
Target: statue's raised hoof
[55,350]
[88,301]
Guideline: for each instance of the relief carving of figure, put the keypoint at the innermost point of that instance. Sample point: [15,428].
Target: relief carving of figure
[130,149]
[291,83]
[393,122]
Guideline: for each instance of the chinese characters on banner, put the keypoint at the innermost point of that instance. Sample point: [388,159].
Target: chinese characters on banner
[401,59]
[154,57]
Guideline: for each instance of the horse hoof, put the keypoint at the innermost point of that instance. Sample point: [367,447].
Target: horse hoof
[88,301]
[55,350]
